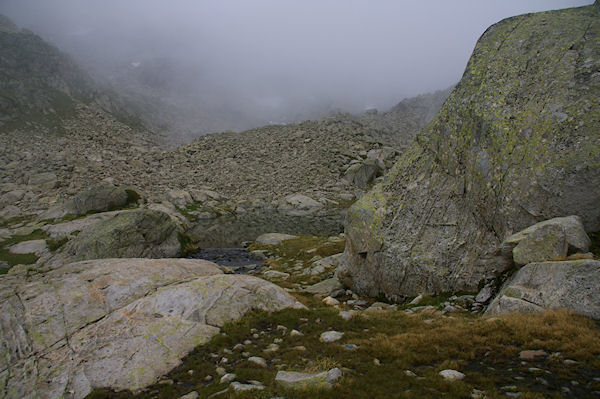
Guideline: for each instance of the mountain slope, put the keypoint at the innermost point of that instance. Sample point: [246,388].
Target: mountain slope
[517,142]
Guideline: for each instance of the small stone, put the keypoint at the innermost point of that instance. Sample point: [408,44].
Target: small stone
[331,336]
[295,333]
[477,394]
[271,348]
[347,314]
[409,373]
[191,395]
[259,361]
[247,342]
[350,347]
[220,371]
[451,375]
[329,301]
[239,387]
[376,362]
[570,362]
[300,348]
[416,300]
[531,355]
[208,378]
[227,378]
[296,380]
[238,347]
[278,340]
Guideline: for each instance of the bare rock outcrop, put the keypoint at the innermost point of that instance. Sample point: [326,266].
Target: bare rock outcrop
[115,323]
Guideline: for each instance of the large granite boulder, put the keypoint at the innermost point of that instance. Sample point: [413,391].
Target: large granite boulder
[139,233]
[100,198]
[517,142]
[115,323]
[536,287]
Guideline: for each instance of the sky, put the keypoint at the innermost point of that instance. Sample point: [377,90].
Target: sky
[354,53]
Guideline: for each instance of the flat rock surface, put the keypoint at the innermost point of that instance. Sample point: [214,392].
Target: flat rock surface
[117,323]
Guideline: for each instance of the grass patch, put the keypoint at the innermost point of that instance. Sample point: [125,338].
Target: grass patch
[187,244]
[486,350]
[53,244]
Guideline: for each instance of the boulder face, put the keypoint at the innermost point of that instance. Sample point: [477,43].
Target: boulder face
[115,323]
[140,233]
[517,142]
[536,287]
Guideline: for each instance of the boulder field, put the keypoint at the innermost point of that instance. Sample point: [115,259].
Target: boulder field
[517,142]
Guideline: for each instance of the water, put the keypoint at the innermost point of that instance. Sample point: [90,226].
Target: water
[221,239]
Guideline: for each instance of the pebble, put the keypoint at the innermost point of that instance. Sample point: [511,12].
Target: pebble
[409,373]
[227,378]
[220,371]
[350,347]
[295,333]
[376,362]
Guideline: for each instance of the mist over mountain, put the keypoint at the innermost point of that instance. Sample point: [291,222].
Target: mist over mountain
[196,67]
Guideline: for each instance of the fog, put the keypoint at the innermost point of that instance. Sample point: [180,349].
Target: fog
[272,58]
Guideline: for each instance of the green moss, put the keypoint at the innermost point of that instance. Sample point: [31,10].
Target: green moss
[187,244]
[54,244]
[132,196]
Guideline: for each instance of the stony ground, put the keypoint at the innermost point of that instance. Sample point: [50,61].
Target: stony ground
[385,350]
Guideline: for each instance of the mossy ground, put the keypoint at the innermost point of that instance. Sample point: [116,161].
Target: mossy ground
[486,350]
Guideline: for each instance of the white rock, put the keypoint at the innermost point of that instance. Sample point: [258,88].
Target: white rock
[451,375]
[329,301]
[227,378]
[331,336]
[191,395]
[347,314]
[259,361]
[295,333]
[238,386]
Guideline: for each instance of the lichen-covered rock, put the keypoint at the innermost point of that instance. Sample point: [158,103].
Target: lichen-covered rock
[102,198]
[536,287]
[575,234]
[546,243]
[140,233]
[364,173]
[115,323]
[517,142]
[297,380]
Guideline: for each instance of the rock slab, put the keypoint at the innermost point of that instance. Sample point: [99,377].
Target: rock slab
[537,287]
[115,323]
